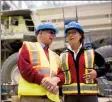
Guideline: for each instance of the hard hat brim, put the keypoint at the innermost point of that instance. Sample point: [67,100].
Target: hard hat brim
[69,28]
[53,29]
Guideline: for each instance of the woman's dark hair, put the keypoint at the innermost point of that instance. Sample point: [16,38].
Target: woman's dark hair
[82,36]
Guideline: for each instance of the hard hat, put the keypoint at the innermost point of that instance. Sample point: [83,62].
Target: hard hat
[74,25]
[46,26]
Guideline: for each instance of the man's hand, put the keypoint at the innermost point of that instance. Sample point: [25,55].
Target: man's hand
[51,84]
[92,74]
[46,81]
[55,80]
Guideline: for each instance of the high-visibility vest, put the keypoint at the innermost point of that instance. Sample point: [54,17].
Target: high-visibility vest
[48,68]
[89,87]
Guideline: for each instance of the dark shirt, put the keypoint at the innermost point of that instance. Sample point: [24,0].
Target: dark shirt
[103,67]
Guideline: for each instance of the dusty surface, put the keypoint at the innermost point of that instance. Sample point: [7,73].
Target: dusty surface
[104,99]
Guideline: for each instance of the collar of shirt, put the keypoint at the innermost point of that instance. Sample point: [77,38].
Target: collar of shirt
[43,45]
[75,54]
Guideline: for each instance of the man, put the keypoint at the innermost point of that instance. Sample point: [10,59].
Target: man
[40,68]
[79,67]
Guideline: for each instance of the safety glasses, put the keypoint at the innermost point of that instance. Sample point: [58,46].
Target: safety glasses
[50,32]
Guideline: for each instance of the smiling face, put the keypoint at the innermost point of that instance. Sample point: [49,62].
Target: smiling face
[73,36]
[46,37]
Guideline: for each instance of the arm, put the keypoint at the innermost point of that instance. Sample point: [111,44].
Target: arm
[59,78]
[51,83]
[60,73]
[103,67]
[25,67]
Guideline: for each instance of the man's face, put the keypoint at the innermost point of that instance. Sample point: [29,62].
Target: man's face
[73,36]
[47,37]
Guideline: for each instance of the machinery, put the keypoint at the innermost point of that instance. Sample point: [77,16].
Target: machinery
[18,26]
[15,25]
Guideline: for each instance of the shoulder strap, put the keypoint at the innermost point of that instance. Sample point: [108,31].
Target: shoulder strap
[65,67]
[89,58]
[89,63]
[33,53]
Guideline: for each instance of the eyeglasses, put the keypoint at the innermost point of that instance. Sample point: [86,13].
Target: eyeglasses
[71,33]
[50,31]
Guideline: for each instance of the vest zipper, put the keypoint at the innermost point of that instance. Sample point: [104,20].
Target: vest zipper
[77,75]
[76,64]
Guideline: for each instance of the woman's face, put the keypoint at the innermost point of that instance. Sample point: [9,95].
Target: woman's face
[73,36]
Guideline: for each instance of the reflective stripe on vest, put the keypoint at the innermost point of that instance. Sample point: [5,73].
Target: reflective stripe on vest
[84,88]
[65,68]
[34,53]
[89,63]
[46,72]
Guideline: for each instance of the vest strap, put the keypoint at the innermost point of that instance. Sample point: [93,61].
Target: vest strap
[83,87]
[89,63]
[46,72]
[65,68]
[89,58]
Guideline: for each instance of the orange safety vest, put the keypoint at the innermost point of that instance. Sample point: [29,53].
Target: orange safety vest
[85,88]
[40,62]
